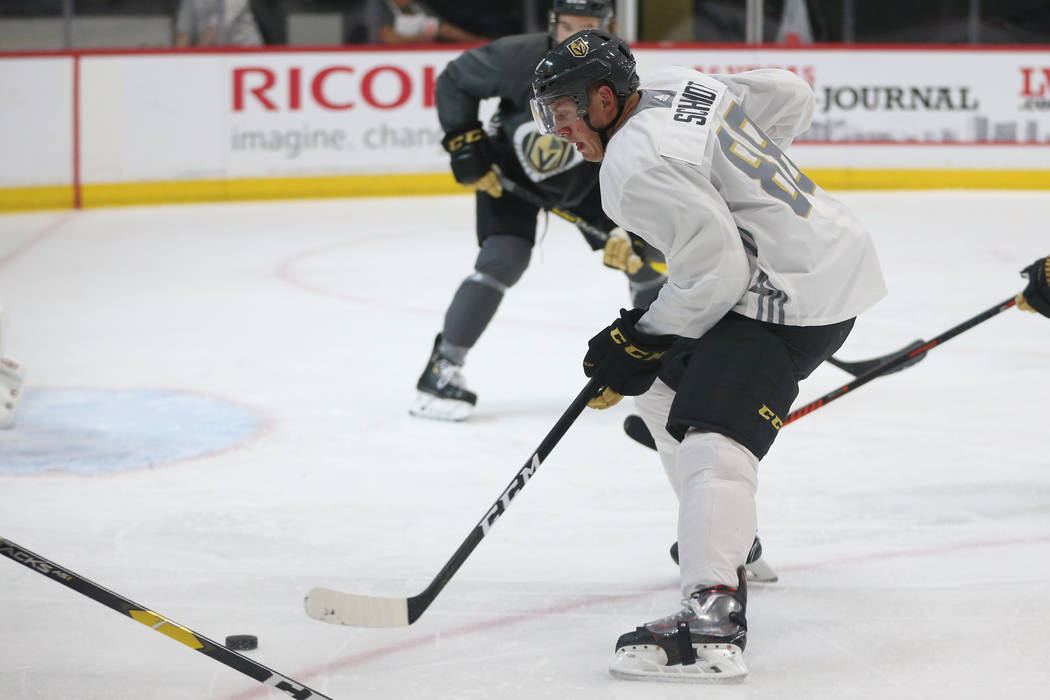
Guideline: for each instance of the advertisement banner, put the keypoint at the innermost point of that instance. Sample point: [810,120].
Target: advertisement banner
[238,122]
[36,121]
[261,115]
[291,113]
[963,96]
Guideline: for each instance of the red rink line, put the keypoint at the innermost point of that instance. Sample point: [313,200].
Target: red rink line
[287,271]
[320,671]
[35,238]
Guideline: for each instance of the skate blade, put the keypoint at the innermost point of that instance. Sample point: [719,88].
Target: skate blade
[715,663]
[759,571]
[430,406]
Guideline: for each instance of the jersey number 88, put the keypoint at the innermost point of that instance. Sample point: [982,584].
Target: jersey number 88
[750,150]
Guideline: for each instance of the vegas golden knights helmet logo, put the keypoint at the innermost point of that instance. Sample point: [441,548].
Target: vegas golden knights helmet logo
[579,48]
[546,153]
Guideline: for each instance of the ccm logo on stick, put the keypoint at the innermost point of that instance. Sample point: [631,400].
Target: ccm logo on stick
[504,501]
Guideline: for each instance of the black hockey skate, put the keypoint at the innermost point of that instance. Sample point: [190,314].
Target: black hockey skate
[755,569]
[702,642]
[441,390]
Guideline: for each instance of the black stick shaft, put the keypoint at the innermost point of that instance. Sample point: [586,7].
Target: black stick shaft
[591,231]
[417,604]
[156,621]
[859,367]
[899,360]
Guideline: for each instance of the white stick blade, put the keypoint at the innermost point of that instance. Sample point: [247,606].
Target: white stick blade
[356,610]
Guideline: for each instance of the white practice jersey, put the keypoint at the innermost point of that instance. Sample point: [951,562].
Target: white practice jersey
[698,171]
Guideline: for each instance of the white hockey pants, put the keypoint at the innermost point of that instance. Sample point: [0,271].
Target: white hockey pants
[715,479]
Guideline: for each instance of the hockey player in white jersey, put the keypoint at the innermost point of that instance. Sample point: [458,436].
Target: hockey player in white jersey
[766,274]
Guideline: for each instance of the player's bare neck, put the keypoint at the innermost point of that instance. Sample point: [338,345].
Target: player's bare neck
[628,109]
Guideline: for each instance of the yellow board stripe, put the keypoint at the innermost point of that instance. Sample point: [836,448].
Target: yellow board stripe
[165,626]
[268,188]
[848,179]
[30,198]
[135,193]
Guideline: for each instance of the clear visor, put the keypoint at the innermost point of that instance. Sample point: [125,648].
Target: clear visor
[544,117]
[554,113]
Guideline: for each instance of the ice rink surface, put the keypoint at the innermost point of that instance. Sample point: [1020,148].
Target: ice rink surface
[215,420]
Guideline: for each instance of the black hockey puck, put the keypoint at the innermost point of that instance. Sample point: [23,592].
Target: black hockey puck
[242,642]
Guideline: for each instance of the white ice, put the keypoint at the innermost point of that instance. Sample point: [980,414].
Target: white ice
[909,520]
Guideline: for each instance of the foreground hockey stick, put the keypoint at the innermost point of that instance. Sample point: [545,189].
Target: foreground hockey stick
[156,621]
[864,370]
[371,611]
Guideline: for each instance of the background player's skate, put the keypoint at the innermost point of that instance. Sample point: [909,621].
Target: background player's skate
[441,390]
[756,569]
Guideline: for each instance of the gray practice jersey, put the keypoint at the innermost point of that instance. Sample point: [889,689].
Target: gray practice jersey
[503,69]
[698,171]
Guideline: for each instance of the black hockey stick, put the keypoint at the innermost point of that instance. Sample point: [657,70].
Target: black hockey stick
[900,361]
[371,611]
[864,366]
[591,232]
[636,429]
[154,620]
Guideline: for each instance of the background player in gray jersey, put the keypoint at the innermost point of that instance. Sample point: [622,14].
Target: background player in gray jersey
[506,225]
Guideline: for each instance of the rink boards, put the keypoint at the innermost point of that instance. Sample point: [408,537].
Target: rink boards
[96,128]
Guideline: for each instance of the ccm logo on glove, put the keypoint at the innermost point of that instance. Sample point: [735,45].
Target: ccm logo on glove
[472,159]
[633,350]
[457,142]
[625,359]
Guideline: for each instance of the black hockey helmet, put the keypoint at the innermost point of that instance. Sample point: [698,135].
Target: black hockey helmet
[585,58]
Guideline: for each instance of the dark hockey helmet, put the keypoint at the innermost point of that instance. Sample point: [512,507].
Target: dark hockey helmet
[585,58]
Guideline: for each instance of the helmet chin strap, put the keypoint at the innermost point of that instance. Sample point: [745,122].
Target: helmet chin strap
[603,132]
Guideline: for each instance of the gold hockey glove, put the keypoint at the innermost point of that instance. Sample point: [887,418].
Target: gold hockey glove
[619,252]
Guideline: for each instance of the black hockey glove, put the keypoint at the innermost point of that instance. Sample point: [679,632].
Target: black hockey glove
[624,359]
[472,159]
[1036,296]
